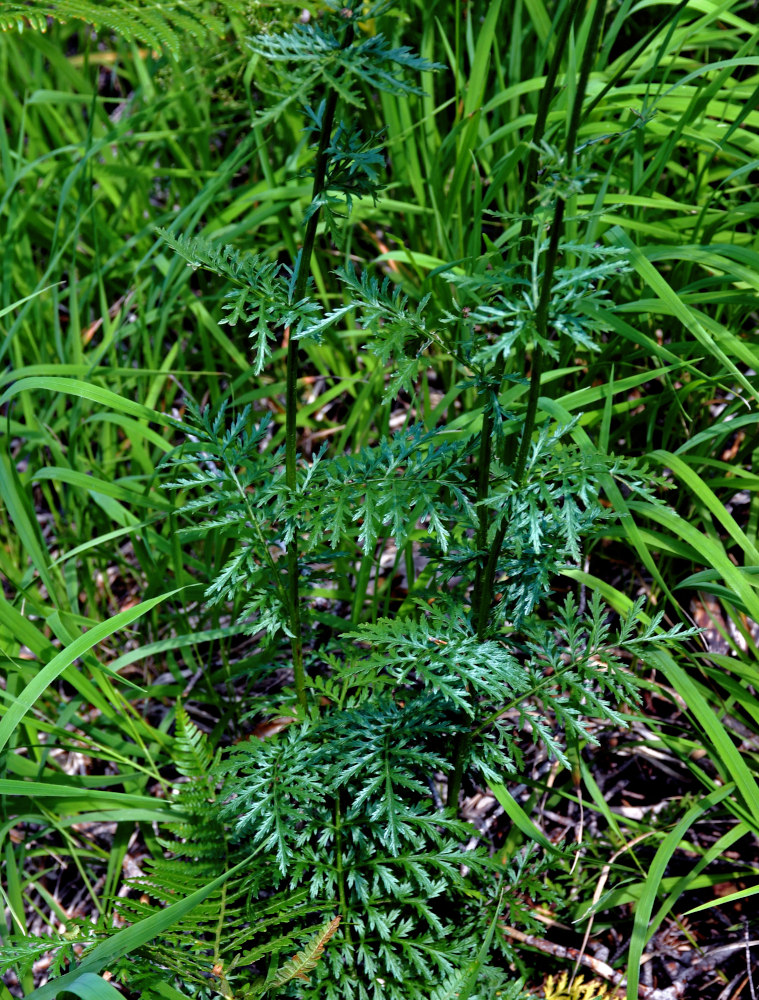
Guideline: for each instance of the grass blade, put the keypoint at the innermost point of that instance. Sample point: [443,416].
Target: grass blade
[66,657]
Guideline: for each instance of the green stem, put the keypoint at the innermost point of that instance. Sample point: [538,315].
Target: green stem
[484,581]
[464,740]
[541,314]
[588,56]
[541,116]
[484,460]
[340,872]
[483,578]
[541,329]
[303,267]
[460,755]
[557,224]
[520,469]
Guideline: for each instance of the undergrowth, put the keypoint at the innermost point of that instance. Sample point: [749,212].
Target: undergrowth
[397,577]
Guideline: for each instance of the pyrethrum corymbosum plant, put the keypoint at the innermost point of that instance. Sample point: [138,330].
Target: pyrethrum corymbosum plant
[335,814]
[337,806]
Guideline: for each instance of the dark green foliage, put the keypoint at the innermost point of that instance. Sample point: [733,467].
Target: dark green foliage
[352,833]
[326,54]
[501,300]
[342,810]
[554,672]
[391,486]
[355,880]
[384,310]
[354,168]
[22,952]
[339,809]
[262,292]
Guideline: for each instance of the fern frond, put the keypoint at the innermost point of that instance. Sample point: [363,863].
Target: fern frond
[448,658]
[154,23]
[389,488]
[270,783]
[21,952]
[262,292]
[305,961]
[561,989]
[455,988]
[193,755]
[313,57]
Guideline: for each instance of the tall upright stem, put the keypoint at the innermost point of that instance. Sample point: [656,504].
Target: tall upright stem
[482,583]
[541,313]
[342,895]
[303,267]
[482,596]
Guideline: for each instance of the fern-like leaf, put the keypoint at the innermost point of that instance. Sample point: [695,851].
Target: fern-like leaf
[262,290]
[305,961]
[316,56]
[193,755]
[562,989]
[152,22]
